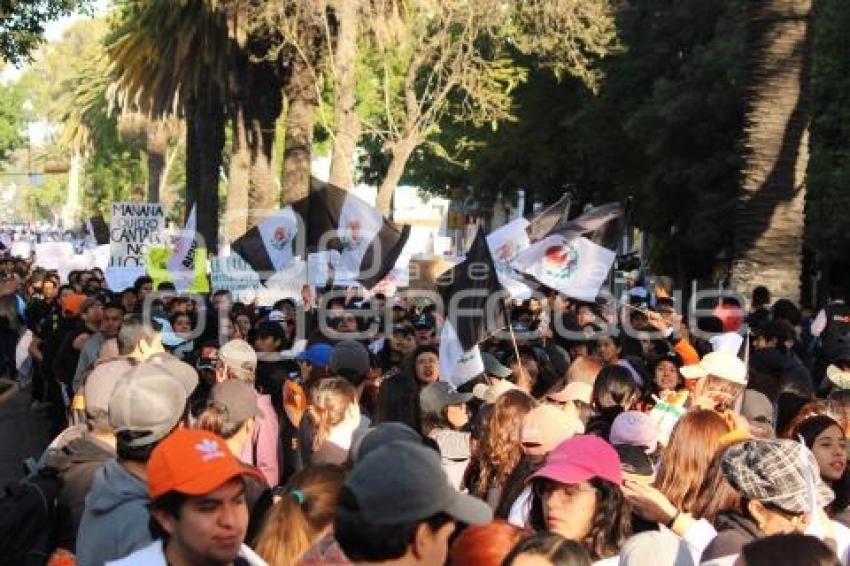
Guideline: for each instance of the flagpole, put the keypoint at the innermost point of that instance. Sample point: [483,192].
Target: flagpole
[513,340]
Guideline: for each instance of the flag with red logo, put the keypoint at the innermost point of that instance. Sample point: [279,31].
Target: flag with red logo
[576,258]
[269,247]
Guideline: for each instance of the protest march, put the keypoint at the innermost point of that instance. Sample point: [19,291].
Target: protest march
[275,406]
[424,283]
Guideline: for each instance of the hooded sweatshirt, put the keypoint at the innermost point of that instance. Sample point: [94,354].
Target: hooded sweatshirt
[115,521]
[76,463]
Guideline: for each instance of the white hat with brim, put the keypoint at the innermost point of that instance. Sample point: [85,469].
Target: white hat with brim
[489,393]
[839,377]
[724,365]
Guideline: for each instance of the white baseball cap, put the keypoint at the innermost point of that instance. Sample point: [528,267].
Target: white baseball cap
[723,364]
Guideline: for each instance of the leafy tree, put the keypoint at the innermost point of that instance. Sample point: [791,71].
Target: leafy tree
[828,229]
[12,120]
[22,24]
[663,127]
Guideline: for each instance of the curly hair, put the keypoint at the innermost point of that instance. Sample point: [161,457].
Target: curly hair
[612,520]
[500,448]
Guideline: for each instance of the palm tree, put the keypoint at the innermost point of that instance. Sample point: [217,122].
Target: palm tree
[769,223]
[171,57]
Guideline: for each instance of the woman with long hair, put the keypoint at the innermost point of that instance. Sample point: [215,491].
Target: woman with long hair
[824,436]
[444,418]
[614,391]
[302,516]
[500,448]
[335,414]
[577,494]
[696,440]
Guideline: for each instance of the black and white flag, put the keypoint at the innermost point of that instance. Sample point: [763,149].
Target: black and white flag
[576,258]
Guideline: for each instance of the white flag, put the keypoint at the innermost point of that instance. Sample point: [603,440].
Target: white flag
[505,244]
[575,267]
[182,262]
[456,365]
[278,233]
[359,224]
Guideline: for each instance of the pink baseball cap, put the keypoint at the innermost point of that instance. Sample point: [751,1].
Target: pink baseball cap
[581,458]
[634,428]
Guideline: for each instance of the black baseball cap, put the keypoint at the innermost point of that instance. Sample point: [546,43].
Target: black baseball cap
[409,473]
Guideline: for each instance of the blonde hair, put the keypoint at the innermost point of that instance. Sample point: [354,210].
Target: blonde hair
[329,402]
[214,419]
[295,522]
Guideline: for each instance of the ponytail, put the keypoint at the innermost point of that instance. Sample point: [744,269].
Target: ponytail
[294,523]
[214,419]
[330,401]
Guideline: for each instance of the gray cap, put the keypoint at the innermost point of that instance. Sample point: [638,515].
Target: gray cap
[187,375]
[238,398]
[493,367]
[438,395]
[100,384]
[350,356]
[402,482]
[147,399]
[655,547]
[382,434]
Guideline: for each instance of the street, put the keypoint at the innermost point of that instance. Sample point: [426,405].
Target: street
[23,433]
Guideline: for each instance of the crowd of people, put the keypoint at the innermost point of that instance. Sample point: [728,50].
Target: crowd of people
[199,430]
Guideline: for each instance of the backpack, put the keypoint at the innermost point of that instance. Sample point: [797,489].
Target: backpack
[27,514]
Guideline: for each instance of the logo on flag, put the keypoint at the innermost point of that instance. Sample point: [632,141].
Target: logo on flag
[561,261]
[351,238]
[506,252]
[280,238]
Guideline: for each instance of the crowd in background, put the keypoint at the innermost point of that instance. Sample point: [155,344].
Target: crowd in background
[199,430]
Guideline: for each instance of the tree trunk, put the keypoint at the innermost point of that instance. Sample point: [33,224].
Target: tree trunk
[301,97]
[401,151]
[346,120]
[236,217]
[204,144]
[769,222]
[156,144]
[264,106]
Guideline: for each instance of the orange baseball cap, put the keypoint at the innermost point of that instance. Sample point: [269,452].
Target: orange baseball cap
[193,462]
[73,304]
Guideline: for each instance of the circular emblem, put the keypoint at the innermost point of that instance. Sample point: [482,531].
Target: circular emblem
[280,238]
[560,261]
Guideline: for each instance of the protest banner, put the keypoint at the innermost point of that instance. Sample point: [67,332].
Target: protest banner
[54,256]
[21,249]
[286,284]
[133,229]
[232,273]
